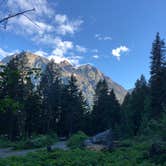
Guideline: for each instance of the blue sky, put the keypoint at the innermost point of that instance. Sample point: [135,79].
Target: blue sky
[113,35]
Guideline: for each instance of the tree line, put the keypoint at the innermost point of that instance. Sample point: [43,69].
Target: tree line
[28,108]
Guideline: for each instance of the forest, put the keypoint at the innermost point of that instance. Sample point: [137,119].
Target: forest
[34,104]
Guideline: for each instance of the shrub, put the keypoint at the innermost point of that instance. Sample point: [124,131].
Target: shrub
[5,143]
[76,141]
[36,142]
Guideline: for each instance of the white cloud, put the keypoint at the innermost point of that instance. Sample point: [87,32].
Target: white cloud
[25,26]
[4,53]
[65,26]
[62,48]
[96,56]
[74,60]
[101,37]
[56,58]
[42,23]
[60,19]
[46,27]
[41,53]
[41,6]
[117,51]
[81,49]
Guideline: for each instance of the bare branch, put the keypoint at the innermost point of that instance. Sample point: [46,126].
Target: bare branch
[31,20]
[14,15]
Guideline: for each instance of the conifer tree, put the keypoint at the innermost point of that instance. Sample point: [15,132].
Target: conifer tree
[73,108]
[134,107]
[50,88]
[157,75]
[106,110]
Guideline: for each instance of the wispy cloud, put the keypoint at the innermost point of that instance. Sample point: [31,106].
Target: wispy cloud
[65,26]
[102,37]
[42,7]
[96,56]
[44,22]
[117,51]
[46,27]
[81,49]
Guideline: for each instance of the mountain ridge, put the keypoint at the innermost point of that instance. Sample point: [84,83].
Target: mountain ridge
[87,75]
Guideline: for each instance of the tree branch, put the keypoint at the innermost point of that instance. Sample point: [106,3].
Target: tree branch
[17,14]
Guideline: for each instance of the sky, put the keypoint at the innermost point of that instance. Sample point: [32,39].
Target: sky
[114,35]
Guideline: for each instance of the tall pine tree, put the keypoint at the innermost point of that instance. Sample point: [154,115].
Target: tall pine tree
[157,75]
[106,110]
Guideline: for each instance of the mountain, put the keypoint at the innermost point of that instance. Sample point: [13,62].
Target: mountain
[87,75]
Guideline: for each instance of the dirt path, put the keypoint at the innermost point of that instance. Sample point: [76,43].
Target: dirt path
[8,152]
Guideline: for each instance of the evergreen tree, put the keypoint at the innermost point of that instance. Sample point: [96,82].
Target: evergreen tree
[138,104]
[134,107]
[16,86]
[11,91]
[73,108]
[33,109]
[106,110]
[126,130]
[50,87]
[156,79]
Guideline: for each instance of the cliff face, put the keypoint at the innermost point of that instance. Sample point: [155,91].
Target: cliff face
[87,75]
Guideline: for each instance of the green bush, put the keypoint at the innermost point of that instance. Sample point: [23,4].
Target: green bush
[76,140]
[119,157]
[36,142]
[5,143]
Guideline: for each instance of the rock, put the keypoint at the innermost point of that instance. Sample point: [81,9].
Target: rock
[96,147]
[102,140]
[88,142]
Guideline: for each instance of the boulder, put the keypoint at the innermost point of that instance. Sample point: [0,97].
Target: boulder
[96,147]
[103,140]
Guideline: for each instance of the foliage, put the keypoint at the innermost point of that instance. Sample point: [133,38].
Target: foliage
[157,79]
[30,143]
[9,104]
[36,142]
[136,154]
[133,108]
[73,109]
[106,110]
[4,143]
[156,128]
[76,140]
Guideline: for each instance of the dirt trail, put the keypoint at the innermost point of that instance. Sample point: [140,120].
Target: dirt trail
[8,152]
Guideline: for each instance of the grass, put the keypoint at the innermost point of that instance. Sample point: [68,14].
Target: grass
[76,140]
[134,155]
[129,152]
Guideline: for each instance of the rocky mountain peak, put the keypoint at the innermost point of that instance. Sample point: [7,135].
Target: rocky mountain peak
[87,75]
[65,63]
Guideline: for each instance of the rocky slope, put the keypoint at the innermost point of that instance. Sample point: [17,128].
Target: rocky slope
[87,75]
